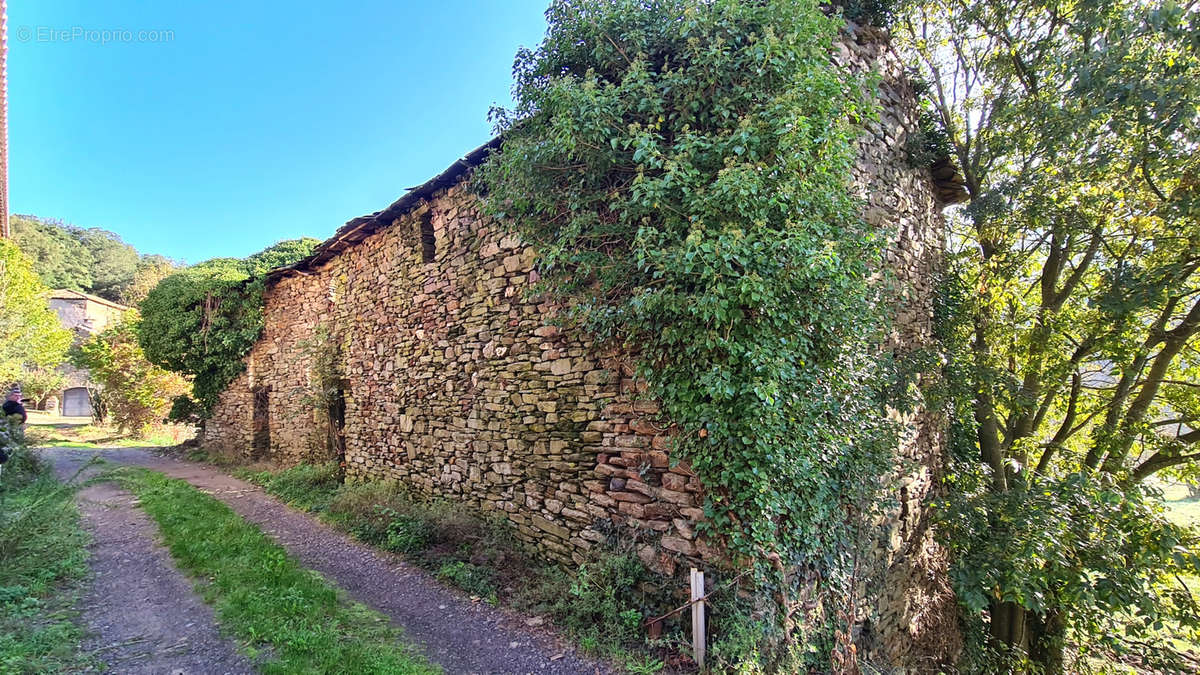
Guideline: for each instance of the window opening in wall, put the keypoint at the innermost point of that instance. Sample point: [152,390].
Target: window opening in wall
[260,443]
[428,243]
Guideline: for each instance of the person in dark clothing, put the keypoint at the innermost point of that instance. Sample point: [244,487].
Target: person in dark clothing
[12,408]
[12,405]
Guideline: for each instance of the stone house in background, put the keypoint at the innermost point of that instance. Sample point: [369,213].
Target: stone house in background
[455,382]
[84,315]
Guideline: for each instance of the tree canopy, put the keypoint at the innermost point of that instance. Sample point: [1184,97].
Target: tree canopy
[89,260]
[136,393]
[61,258]
[151,269]
[202,320]
[1074,314]
[30,333]
[113,262]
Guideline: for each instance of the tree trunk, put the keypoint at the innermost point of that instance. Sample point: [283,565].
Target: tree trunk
[1041,636]
[1048,634]
[1010,626]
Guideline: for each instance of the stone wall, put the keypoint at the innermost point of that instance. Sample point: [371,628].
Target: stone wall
[914,621]
[84,316]
[458,384]
[461,386]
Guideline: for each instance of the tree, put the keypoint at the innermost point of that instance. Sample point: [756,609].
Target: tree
[60,259]
[1077,277]
[201,321]
[38,384]
[113,262]
[30,333]
[280,254]
[86,260]
[135,392]
[151,269]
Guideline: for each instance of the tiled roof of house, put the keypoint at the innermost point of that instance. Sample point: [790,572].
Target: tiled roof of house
[66,294]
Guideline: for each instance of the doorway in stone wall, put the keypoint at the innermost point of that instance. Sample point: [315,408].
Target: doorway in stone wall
[260,443]
[337,426]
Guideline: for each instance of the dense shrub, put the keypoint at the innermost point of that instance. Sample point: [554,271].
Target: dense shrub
[134,392]
[201,321]
[682,170]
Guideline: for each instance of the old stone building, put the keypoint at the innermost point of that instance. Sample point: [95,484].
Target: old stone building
[451,379]
[84,315]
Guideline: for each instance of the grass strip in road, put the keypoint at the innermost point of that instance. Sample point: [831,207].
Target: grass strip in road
[262,595]
[43,558]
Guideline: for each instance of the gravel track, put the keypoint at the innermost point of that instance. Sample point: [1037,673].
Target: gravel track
[140,611]
[460,635]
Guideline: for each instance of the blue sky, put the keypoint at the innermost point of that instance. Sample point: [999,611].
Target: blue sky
[249,122]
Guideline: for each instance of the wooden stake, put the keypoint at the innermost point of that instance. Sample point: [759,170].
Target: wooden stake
[698,641]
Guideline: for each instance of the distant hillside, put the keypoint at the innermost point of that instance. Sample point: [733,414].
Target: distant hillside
[90,260]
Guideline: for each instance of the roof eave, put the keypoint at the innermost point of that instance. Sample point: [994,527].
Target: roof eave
[357,229]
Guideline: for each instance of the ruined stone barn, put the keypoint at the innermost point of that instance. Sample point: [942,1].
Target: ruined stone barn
[455,382]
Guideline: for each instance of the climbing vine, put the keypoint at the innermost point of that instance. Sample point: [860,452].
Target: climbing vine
[682,170]
[324,394]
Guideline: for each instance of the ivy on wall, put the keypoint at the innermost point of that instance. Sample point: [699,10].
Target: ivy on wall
[682,170]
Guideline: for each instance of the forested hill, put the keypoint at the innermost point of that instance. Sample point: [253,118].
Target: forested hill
[89,260]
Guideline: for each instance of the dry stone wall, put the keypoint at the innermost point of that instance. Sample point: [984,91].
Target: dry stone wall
[459,384]
[914,620]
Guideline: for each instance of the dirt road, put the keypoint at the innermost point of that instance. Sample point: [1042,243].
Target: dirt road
[143,614]
[460,635]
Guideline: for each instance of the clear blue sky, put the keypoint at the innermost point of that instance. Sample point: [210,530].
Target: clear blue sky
[251,121]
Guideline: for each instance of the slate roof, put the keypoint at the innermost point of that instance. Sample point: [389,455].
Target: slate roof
[948,186]
[362,227]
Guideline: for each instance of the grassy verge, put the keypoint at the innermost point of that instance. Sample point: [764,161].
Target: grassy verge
[602,606]
[473,554]
[262,595]
[42,559]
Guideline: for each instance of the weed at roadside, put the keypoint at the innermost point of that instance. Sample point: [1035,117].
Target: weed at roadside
[459,548]
[603,607]
[471,578]
[42,560]
[307,486]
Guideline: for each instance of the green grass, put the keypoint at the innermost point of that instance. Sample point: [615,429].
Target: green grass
[1180,507]
[602,606]
[310,487]
[262,595]
[440,537]
[51,432]
[1182,510]
[42,561]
